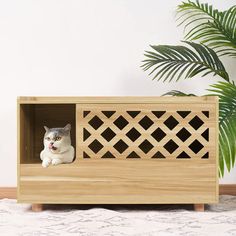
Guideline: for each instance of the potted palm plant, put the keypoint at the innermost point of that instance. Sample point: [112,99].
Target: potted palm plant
[209,35]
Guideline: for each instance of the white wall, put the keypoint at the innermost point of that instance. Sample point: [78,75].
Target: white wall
[82,47]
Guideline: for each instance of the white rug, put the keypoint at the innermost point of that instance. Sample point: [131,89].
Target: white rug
[150,220]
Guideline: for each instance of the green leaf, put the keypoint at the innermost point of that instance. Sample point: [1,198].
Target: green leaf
[211,27]
[227,123]
[175,62]
[177,93]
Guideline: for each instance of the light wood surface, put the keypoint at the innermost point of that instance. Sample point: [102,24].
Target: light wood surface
[37,207]
[11,192]
[227,189]
[8,192]
[171,111]
[115,99]
[119,180]
[199,207]
[217,144]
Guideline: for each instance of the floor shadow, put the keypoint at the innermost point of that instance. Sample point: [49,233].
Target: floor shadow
[120,207]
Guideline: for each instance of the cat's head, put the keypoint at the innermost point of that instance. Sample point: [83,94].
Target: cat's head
[57,140]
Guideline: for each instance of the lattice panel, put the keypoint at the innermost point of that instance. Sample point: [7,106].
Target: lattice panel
[176,131]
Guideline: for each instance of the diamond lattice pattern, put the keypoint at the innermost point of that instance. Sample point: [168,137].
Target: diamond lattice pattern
[126,131]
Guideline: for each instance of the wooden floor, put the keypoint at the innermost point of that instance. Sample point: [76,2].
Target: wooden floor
[10,192]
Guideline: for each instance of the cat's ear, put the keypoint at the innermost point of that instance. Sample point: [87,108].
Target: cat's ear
[46,128]
[67,127]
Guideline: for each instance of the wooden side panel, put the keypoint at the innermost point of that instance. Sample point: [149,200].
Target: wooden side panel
[26,132]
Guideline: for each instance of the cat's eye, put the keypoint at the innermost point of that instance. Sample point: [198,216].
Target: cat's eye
[48,139]
[58,138]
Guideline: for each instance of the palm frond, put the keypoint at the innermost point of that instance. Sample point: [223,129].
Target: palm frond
[227,123]
[209,26]
[178,93]
[174,62]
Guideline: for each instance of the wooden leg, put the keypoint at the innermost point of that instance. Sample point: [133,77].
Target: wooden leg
[37,207]
[198,207]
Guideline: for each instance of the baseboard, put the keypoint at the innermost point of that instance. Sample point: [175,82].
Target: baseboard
[10,192]
[227,189]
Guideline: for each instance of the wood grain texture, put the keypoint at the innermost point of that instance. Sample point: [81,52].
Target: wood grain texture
[120,180]
[115,99]
[11,192]
[227,189]
[101,181]
[217,143]
[199,207]
[8,192]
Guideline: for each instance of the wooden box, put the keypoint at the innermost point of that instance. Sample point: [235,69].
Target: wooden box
[129,150]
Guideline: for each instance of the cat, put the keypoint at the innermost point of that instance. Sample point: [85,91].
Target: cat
[57,146]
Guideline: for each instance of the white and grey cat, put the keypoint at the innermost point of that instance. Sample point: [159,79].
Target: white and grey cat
[57,146]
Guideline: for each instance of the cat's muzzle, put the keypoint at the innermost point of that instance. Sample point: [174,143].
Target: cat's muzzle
[52,147]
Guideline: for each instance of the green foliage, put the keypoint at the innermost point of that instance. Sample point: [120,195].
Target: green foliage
[227,123]
[178,94]
[211,27]
[216,33]
[175,62]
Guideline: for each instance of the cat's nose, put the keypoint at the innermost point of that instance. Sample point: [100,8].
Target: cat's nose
[51,143]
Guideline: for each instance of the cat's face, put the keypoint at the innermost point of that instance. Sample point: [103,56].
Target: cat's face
[57,140]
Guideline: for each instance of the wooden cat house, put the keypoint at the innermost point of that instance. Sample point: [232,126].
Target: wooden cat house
[129,150]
